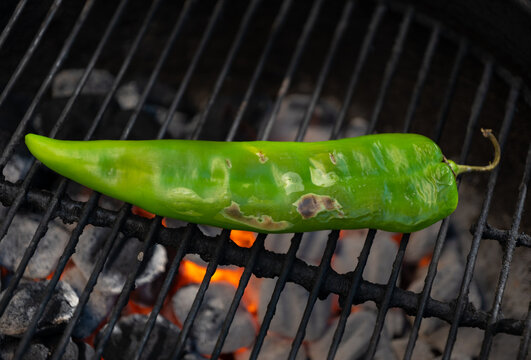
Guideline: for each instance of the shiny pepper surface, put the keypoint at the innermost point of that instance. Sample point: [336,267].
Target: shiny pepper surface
[392,182]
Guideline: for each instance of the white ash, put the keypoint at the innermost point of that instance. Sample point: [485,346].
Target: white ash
[422,350]
[357,127]
[209,230]
[311,248]
[98,306]
[39,349]
[355,340]
[446,284]
[421,243]
[16,168]
[207,324]
[274,347]
[290,309]
[291,113]
[127,333]
[381,257]
[48,251]
[121,260]
[25,301]
[128,95]
[65,82]
[86,352]
[467,344]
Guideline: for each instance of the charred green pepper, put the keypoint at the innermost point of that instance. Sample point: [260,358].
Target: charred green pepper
[392,182]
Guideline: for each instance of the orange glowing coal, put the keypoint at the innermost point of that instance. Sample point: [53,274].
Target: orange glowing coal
[243,238]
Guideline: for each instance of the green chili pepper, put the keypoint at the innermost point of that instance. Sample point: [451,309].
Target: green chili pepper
[392,182]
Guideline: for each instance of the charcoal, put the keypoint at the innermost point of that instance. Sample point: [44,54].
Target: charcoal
[446,285]
[357,127]
[17,168]
[381,258]
[422,350]
[467,343]
[127,334]
[65,82]
[48,252]
[211,315]
[38,349]
[97,308]
[274,347]
[311,248]
[128,95]
[86,352]
[421,243]
[292,111]
[290,309]
[26,300]
[355,341]
[122,259]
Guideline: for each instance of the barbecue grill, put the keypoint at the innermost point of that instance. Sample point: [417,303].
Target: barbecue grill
[229,70]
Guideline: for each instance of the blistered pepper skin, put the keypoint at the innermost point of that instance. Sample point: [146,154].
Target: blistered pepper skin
[392,182]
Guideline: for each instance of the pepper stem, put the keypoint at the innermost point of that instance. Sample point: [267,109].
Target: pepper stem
[468,168]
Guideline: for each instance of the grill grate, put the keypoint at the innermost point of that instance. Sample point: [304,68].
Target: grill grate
[321,280]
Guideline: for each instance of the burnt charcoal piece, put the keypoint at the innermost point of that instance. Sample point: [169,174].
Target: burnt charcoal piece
[422,350]
[355,341]
[446,285]
[311,248]
[38,349]
[25,301]
[65,82]
[86,352]
[127,333]
[274,348]
[97,308]
[290,309]
[48,252]
[211,315]
[121,260]
[17,168]
[380,261]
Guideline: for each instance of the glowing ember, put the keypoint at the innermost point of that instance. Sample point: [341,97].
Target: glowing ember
[191,273]
[243,238]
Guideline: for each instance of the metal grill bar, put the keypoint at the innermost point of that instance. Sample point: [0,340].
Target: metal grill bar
[423,74]
[354,287]
[268,264]
[362,58]
[324,267]
[450,90]
[168,280]
[125,209]
[294,63]
[14,17]
[524,343]
[214,19]
[509,250]
[129,285]
[441,236]
[23,189]
[257,247]
[384,305]
[194,309]
[390,68]
[29,113]
[84,297]
[338,36]
[502,236]
[242,32]
[287,265]
[52,206]
[16,74]
[275,29]
[471,260]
